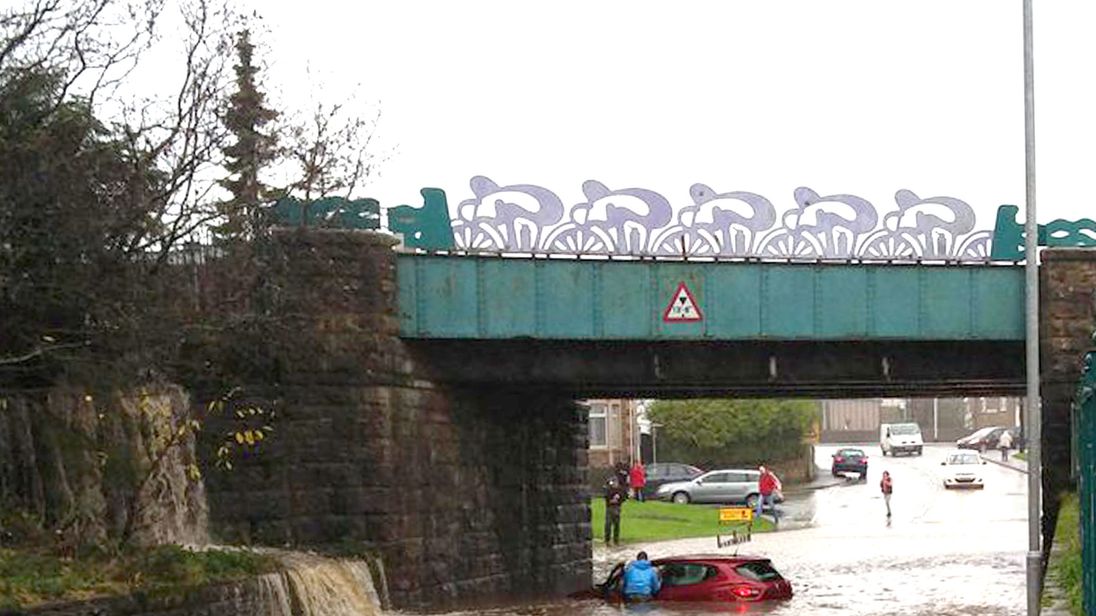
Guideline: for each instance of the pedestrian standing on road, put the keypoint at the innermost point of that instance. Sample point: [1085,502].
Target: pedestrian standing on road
[1004,443]
[637,478]
[768,485]
[886,486]
[614,499]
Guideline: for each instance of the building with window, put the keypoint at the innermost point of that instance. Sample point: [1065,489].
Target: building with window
[614,431]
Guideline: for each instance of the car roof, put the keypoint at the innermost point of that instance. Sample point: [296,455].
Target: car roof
[965,452]
[732,470]
[710,558]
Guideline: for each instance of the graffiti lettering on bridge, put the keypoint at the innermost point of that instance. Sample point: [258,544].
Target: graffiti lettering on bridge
[525,218]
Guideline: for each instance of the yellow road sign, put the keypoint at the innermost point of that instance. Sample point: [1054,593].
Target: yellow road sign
[735,514]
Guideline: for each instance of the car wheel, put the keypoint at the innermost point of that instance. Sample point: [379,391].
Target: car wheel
[751,501]
[919,450]
[681,498]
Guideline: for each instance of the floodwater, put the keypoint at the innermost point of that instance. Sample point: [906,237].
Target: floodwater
[942,553]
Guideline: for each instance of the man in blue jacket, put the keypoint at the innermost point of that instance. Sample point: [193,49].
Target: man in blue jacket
[641,581]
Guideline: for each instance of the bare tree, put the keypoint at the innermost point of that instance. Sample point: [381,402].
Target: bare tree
[331,149]
[98,190]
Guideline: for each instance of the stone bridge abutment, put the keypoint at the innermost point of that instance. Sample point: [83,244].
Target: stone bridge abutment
[464,493]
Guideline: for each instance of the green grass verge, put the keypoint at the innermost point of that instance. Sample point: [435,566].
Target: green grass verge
[1067,538]
[658,521]
[1020,456]
[30,577]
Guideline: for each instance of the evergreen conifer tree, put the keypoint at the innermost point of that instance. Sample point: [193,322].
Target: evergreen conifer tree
[246,117]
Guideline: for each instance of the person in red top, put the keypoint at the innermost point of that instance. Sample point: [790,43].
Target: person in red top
[886,486]
[637,479]
[768,485]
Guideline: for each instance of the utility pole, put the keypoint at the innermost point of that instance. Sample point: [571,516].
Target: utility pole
[1031,285]
[936,419]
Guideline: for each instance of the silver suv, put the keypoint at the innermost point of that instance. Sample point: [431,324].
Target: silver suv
[721,486]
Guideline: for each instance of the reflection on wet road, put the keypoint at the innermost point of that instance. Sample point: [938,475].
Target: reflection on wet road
[943,552]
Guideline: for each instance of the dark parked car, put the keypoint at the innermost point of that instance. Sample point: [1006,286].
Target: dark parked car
[723,578]
[984,439]
[659,473]
[850,460]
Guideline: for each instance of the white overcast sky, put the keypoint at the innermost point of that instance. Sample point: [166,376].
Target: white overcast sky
[844,96]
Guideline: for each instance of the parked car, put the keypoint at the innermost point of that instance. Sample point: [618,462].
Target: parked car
[983,439]
[722,578]
[720,486]
[659,473]
[850,460]
[963,469]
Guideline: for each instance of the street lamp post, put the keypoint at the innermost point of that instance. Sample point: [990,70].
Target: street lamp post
[654,441]
[1031,311]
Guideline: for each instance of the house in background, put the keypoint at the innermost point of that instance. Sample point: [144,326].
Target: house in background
[614,431]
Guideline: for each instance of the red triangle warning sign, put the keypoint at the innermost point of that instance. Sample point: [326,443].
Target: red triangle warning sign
[683,306]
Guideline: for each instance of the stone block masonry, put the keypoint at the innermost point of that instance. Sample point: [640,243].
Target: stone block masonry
[1067,308]
[465,493]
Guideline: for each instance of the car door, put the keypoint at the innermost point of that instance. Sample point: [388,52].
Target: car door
[709,488]
[740,486]
[687,582]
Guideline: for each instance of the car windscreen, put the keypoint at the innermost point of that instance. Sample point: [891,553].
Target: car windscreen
[963,458]
[759,570]
[851,453]
[905,429]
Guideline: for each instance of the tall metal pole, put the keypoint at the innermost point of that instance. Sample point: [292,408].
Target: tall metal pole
[1031,283]
[936,419]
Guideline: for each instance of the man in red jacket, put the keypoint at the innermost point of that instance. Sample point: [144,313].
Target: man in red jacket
[768,485]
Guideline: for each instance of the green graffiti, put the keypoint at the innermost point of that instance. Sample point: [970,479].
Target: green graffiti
[1008,234]
[329,212]
[427,227]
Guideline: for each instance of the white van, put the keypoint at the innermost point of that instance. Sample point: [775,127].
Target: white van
[898,438]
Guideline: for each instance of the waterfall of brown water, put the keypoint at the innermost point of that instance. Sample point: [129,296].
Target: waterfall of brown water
[317,586]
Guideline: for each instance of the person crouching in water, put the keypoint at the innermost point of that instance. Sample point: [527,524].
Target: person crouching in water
[641,581]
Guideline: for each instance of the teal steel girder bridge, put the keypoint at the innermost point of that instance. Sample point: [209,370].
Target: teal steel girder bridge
[583,299]
[606,326]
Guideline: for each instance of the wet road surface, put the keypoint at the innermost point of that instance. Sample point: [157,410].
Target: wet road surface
[943,552]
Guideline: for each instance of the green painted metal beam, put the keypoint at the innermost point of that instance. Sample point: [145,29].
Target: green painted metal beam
[499,298]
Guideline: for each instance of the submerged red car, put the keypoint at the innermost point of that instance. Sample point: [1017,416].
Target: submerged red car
[718,577]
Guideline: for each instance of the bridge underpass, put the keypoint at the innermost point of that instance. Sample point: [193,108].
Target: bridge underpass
[425,397]
[743,369]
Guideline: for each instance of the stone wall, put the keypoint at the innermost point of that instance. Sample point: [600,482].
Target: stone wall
[1067,319]
[73,460]
[465,493]
[248,597]
[308,585]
